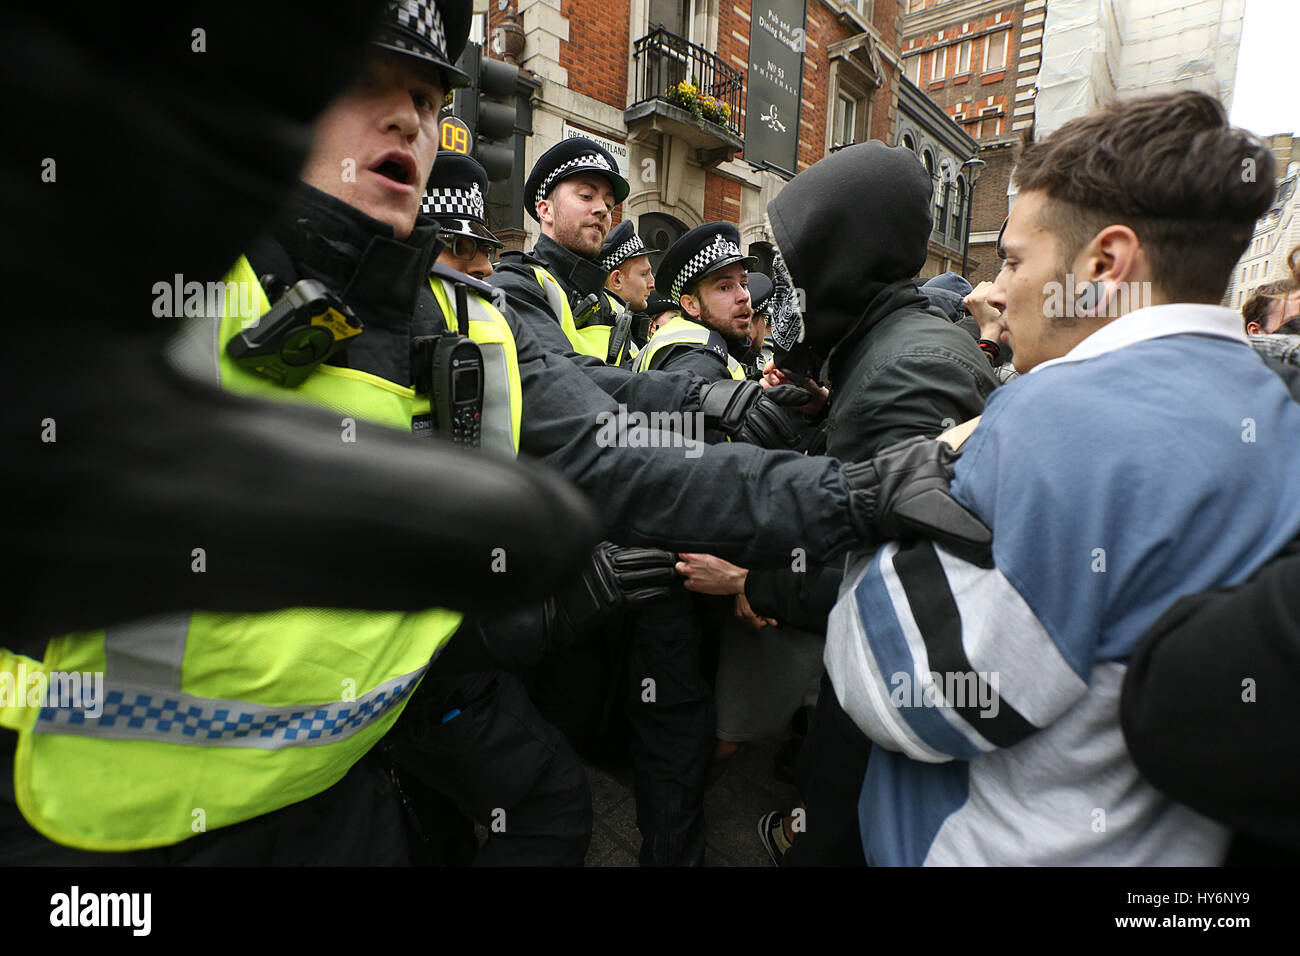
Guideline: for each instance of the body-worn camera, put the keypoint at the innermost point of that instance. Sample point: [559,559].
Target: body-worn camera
[304,327]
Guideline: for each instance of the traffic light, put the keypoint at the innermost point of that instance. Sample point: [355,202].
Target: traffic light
[487,108]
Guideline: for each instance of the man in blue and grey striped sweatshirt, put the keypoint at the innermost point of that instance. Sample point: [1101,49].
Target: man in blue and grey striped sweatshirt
[1111,476]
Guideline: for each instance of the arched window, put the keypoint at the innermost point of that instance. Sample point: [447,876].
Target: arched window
[659,231]
[909,142]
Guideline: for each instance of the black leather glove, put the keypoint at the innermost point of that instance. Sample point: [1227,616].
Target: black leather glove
[903,493]
[745,411]
[614,577]
[768,424]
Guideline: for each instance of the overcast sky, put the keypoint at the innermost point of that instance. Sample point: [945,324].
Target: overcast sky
[1266,97]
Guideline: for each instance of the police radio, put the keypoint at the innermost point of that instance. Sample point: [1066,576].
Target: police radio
[307,325]
[457,394]
[618,337]
[449,367]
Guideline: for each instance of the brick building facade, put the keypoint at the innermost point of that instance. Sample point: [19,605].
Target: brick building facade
[978,60]
[596,67]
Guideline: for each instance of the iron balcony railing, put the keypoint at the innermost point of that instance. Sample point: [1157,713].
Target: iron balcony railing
[663,60]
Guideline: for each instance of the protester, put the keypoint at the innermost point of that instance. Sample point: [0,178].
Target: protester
[1270,305]
[994,701]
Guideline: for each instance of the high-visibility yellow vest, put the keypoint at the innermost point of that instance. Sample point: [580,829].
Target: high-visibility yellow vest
[592,340]
[209,719]
[680,331]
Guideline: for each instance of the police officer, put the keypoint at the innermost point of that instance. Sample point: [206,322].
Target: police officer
[353,672]
[631,280]
[571,192]
[658,311]
[760,339]
[627,259]
[316,781]
[705,272]
[454,201]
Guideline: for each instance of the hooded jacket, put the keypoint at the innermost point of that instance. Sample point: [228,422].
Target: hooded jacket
[852,230]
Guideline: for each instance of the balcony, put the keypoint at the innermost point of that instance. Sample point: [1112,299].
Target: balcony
[661,60]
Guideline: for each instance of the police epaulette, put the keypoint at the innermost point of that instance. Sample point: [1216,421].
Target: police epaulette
[459,278]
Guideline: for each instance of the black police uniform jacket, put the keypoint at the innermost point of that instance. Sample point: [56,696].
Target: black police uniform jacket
[580,277]
[650,496]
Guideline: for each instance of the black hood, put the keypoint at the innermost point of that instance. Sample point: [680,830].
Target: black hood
[849,226]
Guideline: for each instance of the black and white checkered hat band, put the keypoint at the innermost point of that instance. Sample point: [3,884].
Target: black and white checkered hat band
[720,248]
[633,247]
[422,19]
[585,161]
[454,202]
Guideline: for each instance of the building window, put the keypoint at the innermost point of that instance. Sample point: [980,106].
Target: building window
[963,58]
[938,63]
[675,16]
[995,51]
[909,142]
[846,111]
[914,5]
[914,69]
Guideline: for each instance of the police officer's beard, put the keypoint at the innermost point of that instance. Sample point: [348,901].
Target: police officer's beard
[735,343]
[571,234]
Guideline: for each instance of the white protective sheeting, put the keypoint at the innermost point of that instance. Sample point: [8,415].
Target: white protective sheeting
[1095,51]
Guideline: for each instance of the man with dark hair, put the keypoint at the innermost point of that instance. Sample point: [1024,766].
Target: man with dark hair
[1270,306]
[1111,477]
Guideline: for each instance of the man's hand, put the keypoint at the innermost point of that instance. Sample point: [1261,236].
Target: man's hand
[709,574]
[989,318]
[957,435]
[818,394]
[745,613]
[903,493]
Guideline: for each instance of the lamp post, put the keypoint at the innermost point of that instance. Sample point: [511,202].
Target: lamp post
[972,168]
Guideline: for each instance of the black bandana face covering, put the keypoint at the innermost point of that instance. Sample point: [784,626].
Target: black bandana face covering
[791,356]
[783,307]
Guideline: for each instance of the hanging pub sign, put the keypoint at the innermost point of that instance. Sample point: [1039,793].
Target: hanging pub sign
[776,46]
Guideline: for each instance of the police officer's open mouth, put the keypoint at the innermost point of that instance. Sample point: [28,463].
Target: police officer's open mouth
[395,166]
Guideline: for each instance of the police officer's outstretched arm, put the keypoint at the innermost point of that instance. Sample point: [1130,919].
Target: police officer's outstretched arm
[129,491]
[174,495]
